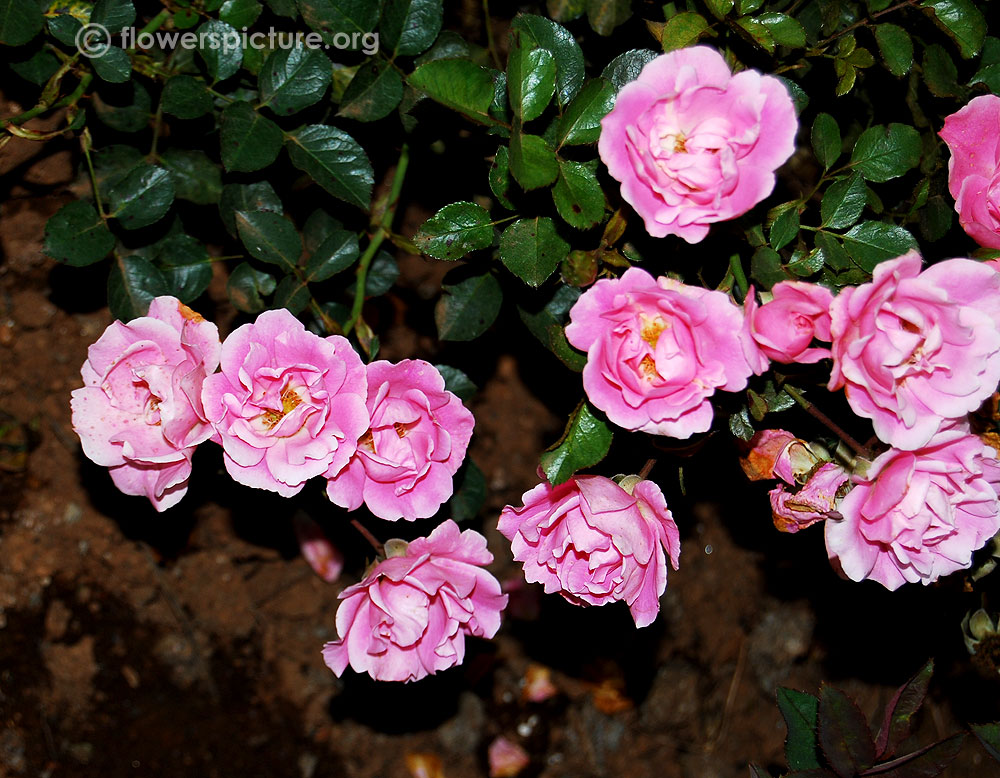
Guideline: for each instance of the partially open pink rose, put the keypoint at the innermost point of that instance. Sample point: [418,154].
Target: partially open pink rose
[973,137]
[595,542]
[409,617]
[916,350]
[657,349]
[419,433]
[815,501]
[287,405]
[693,144]
[785,326]
[140,410]
[918,515]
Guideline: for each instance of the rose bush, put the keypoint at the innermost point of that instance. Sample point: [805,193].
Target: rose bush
[693,144]
[419,433]
[140,411]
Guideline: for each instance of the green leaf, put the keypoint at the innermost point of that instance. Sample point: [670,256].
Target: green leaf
[936,218]
[843,202]
[64,28]
[259,196]
[142,197]
[270,237]
[196,177]
[847,75]
[531,78]
[132,285]
[470,492]
[409,27]
[20,21]
[740,426]
[293,79]
[896,47]
[963,22]
[533,163]
[756,32]
[800,712]
[284,8]
[382,275]
[127,109]
[799,97]
[113,14]
[500,178]
[246,286]
[240,13]
[335,161]
[185,97]
[843,733]
[989,736]
[581,122]
[804,264]
[335,254]
[627,66]
[561,44]
[470,302]
[872,242]
[457,382]
[38,68]
[940,73]
[458,84]
[826,140]
[883,153]
[899,712]
[221,48]
[184,265]
[248,140]
[720,8]
[113,66]
[682,30]
[765,267]
[785,30]
[331,17]
[834,255]
[113,163]
[76,235]
[547,323]
[785,228]
[605,15]
[375,90]
[532,249]
[585,442]
[292,294]
[578,195]
[455,230]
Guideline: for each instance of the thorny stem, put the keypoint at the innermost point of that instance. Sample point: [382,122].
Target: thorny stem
[379,548]
[827,422]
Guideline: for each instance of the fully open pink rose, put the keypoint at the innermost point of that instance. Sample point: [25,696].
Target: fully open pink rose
[140,410]
[409,617]
[657,349]
[785,326]
[815,501]
[693,144]
[419,433]
[915,351]
[918,515]
[287,405]
[595,542]
[973,136]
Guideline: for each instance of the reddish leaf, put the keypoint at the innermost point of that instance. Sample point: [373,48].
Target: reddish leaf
[904,703]
[989,736]
[843,733]
[925,763]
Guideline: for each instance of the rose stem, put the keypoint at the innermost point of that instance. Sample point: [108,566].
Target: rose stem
[379,548]
[826,421]
[646,468]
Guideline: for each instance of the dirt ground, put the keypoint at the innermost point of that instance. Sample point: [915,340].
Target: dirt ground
[188,643]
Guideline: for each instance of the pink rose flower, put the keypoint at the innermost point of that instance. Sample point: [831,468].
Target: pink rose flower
[693,144]
[287,405]
[657,349]
[784,328]
[595,541]
[915,351]
[974,167]
[918,515]
[778,454]
[419,433]
[815,501]
[139,412]
[409,617]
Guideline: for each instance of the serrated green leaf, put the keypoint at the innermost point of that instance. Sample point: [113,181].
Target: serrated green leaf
[246,286]
[248,140]
[270,238]
[469,304]
[585,442]
[720,8]
[936,218]
[940,73]
[578,195]
[76,235]
[470,492]
[847,75]
[872,242]
[804,264]
[457,382]
[19,22]
[409,27]
[963,22]
[896,48]
[785,228]
[141,197]
[330,17]
[765,267]
[375,90]
[800,711]
[843,733]
[546,320]
[126,109]
[185,266]
[531,78]
[196,177]
[826,141]
[259,196]
[292,294]
[113,15]
[338,251]
[221,48]
[756,32]
[293,79]
[533,163]
[455,230]
[185,97]
[565,51]
[740,426]
[785,30]
[834,255]
[682,30]
[843,202]
[38,68]
[500,178]
[883,153]
[627,66]
[532,249]
[240,13]
[581,122]
[132,285]
[458,84]
[335,161]
[113,66]
[64,28]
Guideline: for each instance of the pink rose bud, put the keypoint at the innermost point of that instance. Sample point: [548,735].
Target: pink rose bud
[507,759]
[418,437]
[974,167]
[918,515]
[323,557]
[595,542]
[916,350]
[657,349]
[784,328]
[409,617]
[814,502]
[288,405]
[693,144]
[139,412]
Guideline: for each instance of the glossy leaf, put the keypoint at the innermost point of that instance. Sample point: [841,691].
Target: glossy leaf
[896,48]
[293,79]
[409,27]
[259,196]
[585,442]
[196,177]
[605,15]
[20,21]
[469,304]
[682,30]
[499,177]
[455,230]
[335,161]
[247,287]
[532,161]
[458,84]
[338,251]
[800,712]
[826,141]
[843,202]
[872,242]
[531,78]
[76,235]
[578,195]
[581,122]
[270,238]
[532,249]
[185,97]
[141,197]
[329,17]
[962,20]
[883,153]
[132,285]
[546,321]
[248,140]
[375,90]
[221,49]
[561,44]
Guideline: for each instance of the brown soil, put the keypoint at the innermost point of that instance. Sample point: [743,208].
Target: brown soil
[137,644]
